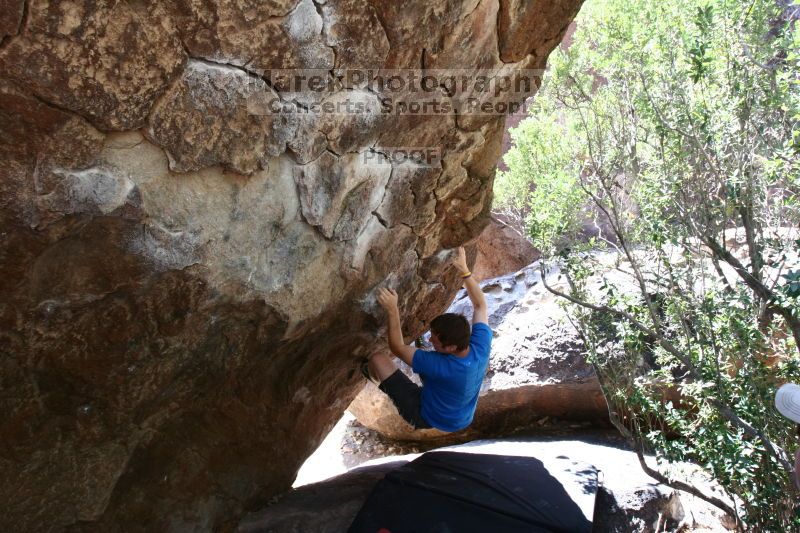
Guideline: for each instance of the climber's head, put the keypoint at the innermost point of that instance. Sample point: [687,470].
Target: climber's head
[450,333]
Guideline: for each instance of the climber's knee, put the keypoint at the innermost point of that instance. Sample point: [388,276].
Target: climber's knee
[381,366]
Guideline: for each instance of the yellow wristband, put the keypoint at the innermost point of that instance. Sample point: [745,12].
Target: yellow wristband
[466,275]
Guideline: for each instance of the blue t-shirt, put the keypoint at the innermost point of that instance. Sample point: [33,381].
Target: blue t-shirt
[451,384]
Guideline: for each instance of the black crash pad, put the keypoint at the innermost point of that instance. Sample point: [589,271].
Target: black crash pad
[457,492]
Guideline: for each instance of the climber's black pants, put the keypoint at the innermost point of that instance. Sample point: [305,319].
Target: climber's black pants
[406,396]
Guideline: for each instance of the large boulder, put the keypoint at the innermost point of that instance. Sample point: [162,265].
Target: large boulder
[502,249]
[190,240]
[537,368]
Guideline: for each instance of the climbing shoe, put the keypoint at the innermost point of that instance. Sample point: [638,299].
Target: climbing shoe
[365,372]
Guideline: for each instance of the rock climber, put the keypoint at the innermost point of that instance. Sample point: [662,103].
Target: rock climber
[451,374]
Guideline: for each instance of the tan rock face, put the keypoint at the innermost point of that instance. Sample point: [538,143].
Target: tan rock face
[107,61]
[284,34]
[10,17]
[218,115]
[519,35]
[189,246]
[502,250]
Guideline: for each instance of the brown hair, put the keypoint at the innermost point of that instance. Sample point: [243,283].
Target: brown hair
[452,329]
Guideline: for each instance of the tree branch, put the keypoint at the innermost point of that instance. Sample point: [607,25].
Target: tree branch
[776,451]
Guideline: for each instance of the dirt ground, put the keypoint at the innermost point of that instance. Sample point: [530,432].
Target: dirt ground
[350,444]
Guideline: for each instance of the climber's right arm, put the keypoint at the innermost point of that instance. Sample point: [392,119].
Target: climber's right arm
[480,309]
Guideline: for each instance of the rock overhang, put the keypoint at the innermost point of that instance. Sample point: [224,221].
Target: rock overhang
[182,264]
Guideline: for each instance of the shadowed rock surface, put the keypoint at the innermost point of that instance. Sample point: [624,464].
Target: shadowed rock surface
[187,274]
[536,369]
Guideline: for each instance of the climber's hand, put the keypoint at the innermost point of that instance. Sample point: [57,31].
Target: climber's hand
[387,298]
[460,260]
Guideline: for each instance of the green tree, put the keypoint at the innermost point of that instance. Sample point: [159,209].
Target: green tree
[543,154]
[676,125]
